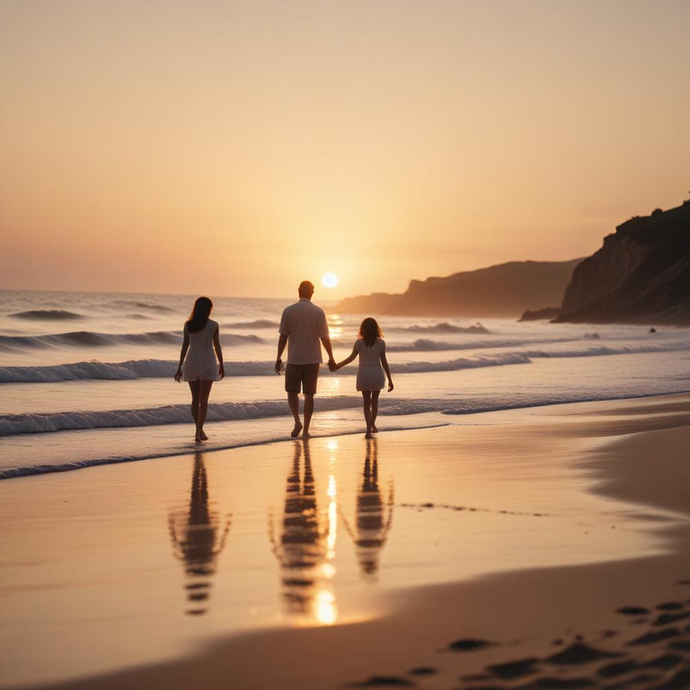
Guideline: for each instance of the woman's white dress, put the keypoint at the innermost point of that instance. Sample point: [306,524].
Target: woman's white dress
[370,375]
[200,364]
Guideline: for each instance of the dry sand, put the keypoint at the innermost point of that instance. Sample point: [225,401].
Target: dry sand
[495,555]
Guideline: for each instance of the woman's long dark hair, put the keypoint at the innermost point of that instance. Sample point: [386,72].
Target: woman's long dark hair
[199,317]
[369,330]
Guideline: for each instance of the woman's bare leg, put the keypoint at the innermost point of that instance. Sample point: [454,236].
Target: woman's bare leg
[374,409]
[194,387]
[204,392]
[366,399]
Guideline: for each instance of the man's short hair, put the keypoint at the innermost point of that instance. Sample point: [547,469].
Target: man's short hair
[306,288]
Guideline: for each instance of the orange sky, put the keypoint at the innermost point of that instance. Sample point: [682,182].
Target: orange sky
[236,148]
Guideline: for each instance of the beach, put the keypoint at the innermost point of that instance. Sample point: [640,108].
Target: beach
[433,557]
[344,345]
[87,378]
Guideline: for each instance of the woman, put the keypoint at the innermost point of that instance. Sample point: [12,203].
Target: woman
[370,347]
[198,365]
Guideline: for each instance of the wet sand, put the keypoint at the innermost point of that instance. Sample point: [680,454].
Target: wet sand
[534,549]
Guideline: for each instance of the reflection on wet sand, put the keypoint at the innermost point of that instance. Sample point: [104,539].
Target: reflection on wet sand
[306,543]
[374,516]
[198,538]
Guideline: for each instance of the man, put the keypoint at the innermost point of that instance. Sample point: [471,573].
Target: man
[303,325]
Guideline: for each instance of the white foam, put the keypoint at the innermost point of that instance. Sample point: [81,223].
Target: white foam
[11,425]
[126,445]
[92,339]
[259,323]
[445,327]
[123,371]
[157,368]
[427,345]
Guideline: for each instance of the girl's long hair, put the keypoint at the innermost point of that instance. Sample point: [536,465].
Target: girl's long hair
[199,317]
[369,330]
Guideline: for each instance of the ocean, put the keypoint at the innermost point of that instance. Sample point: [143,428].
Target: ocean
[87,378]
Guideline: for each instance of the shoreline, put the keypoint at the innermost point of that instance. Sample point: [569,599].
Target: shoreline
[520,612]
[436,419]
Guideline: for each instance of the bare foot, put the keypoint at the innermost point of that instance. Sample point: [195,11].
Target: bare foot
[202,436]
[296,430]
[368,434]
[197,439]
[374,429]
[306,434]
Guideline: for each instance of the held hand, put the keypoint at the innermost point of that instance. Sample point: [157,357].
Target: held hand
[221,372]
[178,374]
[390,386]
[279,364]
[332,366]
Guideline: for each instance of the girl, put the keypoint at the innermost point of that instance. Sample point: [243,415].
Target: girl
[200,369]
[371,349]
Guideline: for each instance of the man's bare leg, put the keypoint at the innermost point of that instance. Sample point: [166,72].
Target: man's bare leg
[293,401]
[308,411]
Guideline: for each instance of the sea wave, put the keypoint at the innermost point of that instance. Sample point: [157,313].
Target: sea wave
[92,339]
[604,351]
[424,345]
[121,371]
[113,453]
[138,304]
[259,323]
[15,425]
[444,328]
[458,364]
[47,315]
[112,456]
[157,368]
[11,425]
[427,345]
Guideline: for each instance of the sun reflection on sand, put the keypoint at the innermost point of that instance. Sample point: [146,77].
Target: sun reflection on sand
[307,543]
[329,419]
[332,518]
[325,609]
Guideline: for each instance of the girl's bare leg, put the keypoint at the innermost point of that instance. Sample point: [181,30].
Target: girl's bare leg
[204,392]
[366,398]
[194,387]
[374,409]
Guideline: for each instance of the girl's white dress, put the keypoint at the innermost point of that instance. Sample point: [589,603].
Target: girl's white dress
[200,364]
[370,375]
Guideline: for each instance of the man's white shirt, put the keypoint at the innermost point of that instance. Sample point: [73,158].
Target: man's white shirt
[304,324]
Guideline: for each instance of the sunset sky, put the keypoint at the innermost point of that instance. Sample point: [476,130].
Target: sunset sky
[235,148]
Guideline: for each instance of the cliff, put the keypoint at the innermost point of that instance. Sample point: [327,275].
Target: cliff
[640,275]
[376,303]
[546,314]
[506,290]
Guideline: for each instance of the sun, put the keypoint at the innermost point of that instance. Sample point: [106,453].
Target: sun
[329,280]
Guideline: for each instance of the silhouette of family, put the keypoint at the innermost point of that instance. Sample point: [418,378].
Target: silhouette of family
[304,330]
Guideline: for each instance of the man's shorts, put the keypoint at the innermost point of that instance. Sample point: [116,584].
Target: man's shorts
[304,376]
